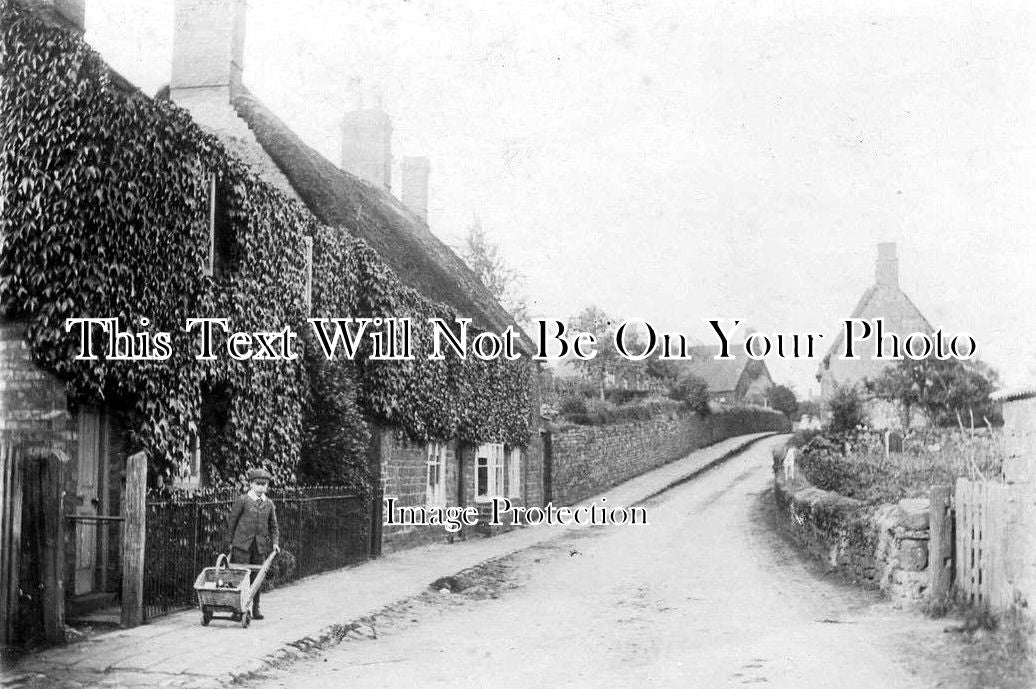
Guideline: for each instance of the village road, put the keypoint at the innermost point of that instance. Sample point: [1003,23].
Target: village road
[706,596]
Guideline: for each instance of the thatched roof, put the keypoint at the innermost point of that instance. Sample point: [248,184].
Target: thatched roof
[400,237]
[722,375]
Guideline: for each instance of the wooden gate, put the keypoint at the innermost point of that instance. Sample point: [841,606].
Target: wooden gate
[981,543]
[31,554]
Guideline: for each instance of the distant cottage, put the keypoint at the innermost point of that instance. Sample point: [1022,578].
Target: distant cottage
[735,380]
[884,299]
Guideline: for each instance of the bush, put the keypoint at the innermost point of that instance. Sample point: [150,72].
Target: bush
[782,398]
[621,397]
[283,569]
[572,405]
[855,465]
[597,412]
[804,436]
[846,408]
[692,391]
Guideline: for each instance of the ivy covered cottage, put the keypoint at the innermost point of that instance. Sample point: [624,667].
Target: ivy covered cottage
[201,203]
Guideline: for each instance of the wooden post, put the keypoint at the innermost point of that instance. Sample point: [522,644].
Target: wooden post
[133,533]
[10,537]
[53,556]
[940,544]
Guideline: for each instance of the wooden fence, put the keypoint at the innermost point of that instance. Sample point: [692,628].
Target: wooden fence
[982,546]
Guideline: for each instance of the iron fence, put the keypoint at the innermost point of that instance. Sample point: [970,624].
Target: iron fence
[321,527]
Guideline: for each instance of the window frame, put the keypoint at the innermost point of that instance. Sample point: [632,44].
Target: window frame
[514,472]
[489,457]
[223,249]
[435,458]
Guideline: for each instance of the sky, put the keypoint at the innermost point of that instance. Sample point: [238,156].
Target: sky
[680,162]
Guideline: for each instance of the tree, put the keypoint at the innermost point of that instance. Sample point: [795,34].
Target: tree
[594,320]
[502,281]
[693,390]
[846,408]
[782,398]
[666,371]
[948,391]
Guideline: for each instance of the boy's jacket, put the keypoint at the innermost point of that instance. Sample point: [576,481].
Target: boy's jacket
[252,521]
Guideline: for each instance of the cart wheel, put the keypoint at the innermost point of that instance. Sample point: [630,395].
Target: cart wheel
[206,617]
[245,619]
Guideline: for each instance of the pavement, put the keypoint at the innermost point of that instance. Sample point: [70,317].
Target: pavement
[312,613]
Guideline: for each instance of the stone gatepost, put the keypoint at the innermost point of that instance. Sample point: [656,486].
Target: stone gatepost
[1019,409]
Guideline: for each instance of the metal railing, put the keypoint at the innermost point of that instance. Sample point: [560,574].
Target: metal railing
[322,528]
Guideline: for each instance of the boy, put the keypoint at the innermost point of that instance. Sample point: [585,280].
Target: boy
[252,527]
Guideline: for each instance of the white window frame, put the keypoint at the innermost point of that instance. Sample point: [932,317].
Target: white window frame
[435,475]
[489,458]
[514,473]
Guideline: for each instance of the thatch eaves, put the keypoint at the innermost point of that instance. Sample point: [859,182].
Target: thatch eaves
[337,198]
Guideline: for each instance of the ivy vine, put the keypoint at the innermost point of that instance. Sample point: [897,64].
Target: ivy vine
[105,208]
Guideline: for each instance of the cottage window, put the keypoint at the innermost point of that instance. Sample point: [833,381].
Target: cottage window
[190,474]
[514,473]
[489,471]
[436,485]
[223,248]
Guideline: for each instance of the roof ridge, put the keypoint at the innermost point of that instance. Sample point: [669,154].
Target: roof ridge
[407,245]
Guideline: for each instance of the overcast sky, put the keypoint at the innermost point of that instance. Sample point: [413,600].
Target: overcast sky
[684,161]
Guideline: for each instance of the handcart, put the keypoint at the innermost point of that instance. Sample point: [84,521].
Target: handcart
[230,588]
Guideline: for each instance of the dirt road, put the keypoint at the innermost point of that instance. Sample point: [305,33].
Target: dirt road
[705,596]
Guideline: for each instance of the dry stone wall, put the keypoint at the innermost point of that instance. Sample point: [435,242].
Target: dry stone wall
[884,546]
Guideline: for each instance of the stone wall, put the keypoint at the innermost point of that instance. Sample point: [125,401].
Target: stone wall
[884,546]
[1019,409]
[403,476]
[587,460]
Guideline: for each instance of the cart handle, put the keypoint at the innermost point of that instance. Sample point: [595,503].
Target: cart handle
[224,559]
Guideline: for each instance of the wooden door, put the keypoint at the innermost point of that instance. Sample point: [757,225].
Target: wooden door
[93,454]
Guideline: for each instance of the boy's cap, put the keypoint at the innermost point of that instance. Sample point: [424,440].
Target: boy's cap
[259,475]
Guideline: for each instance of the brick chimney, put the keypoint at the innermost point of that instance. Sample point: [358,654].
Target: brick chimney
[70,13]
[886,272]
[208,45]
[367,139]
[415,185]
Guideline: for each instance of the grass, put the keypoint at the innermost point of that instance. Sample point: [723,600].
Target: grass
[856,465]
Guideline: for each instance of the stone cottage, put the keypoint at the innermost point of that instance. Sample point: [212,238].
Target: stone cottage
[884,299]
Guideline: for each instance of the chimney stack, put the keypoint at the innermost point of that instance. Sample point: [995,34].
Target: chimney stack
[70,13]
[367,138]
[886,271]
[415,185]
[208,45]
